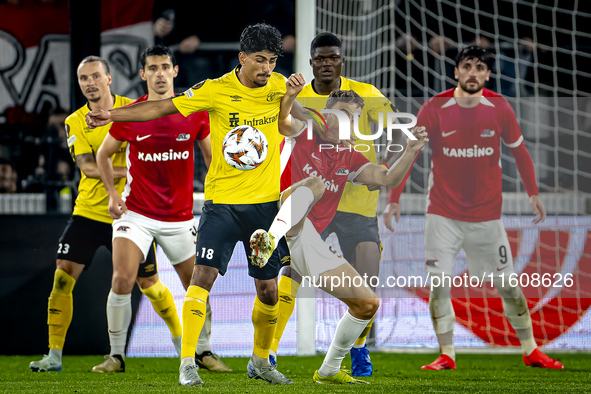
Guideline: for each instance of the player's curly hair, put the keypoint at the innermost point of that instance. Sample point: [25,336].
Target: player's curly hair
[475,52]
[92,59]
[325,40]
[344,96]
[157,50]
[261,37]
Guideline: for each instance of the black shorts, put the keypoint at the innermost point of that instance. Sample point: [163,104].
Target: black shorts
[352,229]
[82,238]
[222,225]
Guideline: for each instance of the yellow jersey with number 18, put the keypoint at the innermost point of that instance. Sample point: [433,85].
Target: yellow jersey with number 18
[356,198]
[92,201]
[231,104]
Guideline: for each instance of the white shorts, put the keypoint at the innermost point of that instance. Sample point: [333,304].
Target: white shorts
[310,255]
[486,245]
[177,239]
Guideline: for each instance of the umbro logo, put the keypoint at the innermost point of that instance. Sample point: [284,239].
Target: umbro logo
[183,137]
[487,133]
[285,298]
[197,312]
[53,311]
[273,321]
[236,98]
[342,171]
[123,229]
[163,311]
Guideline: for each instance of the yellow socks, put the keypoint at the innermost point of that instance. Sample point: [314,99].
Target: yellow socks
[60,308]
[163,302]
[194,311]
[361,340]
[288,288]
[264,320]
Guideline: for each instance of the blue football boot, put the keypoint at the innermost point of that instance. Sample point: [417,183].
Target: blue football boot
[361,362]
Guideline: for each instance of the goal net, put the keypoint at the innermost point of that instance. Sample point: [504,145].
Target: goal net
[406,48]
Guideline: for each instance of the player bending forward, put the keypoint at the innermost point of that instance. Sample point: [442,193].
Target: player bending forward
[466,125]
[311,203]
[89,228]
[158,199]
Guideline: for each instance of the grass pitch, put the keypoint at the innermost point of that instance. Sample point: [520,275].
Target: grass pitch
[393,373]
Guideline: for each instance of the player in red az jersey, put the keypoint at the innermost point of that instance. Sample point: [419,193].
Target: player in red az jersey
[466,125]
[318,176]
[157,201]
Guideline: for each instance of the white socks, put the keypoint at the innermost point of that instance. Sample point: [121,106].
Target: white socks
[119,318]
[443,318]
[515,307]
[186,361]
[57,353]
[292,211]
[203,344]
[348,330]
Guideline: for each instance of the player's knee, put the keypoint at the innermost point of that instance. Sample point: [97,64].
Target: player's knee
[317,187]
[507,291]
[123,282]
[267,292]
[144,283]
[69,267]
[204,276]
[367,308]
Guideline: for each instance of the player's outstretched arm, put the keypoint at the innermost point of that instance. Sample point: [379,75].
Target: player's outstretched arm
[105,167]
[139,112]
[380,176]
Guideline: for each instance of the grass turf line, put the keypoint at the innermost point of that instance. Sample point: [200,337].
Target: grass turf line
[392,373]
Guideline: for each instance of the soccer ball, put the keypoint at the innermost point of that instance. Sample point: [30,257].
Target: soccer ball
[245,148]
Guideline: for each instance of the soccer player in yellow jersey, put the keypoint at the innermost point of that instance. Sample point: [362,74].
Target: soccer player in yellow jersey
[90,226]
[355,222]
[237,202]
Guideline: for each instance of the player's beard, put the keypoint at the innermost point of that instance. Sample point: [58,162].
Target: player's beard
[465,88]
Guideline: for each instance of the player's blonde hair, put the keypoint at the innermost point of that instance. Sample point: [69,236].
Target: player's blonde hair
[344,96]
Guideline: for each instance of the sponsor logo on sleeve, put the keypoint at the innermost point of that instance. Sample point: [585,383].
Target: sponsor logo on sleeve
[71,140]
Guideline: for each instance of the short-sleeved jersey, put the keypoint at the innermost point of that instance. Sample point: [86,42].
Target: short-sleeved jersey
[92,201]
[356,198]
[335,167]
[465,182]
[231,104]
[160,164]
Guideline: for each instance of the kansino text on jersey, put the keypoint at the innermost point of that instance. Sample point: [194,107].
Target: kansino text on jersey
[164,156]
[468,152]
[363,147]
